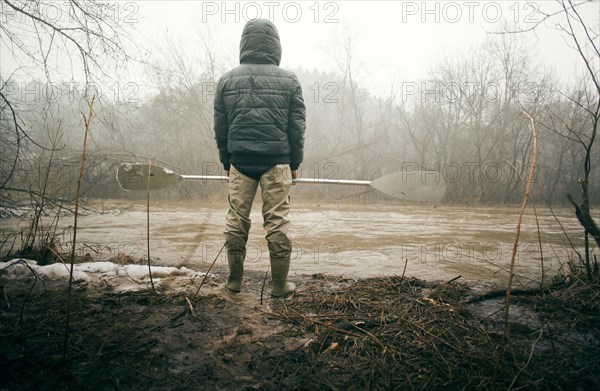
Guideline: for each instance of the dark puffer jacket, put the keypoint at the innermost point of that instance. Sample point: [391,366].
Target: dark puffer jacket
[259,110]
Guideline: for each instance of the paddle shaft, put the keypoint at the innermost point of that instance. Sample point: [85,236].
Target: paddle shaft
[415,186]
[299,180]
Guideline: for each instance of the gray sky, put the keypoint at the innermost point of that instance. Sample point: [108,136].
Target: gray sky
[395,41]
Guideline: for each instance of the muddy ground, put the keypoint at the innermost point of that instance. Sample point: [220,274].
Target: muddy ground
[335,333]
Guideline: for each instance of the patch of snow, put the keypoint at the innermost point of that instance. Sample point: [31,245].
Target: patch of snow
[121,278]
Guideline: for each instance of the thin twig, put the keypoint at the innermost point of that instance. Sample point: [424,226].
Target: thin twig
[36,277]
[539,235]
[79,180]
[148,225]
[515,245]
[262,289]
[516,242]
[528,360]
[208,271]
[191,307]
[403,271]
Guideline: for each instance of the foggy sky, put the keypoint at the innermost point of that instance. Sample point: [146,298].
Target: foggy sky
[394,41]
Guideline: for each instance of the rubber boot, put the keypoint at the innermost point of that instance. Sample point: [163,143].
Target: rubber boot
[280,267]
[236,253]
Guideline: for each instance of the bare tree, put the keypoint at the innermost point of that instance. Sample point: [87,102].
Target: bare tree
[56,55]
[49,43]
[353,104]
[581,129]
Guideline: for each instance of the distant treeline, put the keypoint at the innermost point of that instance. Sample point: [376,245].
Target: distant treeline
[464,121]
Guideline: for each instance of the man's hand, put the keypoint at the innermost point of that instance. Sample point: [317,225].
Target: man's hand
[227,173]
[294,174]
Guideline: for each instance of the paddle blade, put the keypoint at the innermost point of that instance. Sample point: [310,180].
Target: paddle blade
[134,176]
[424,186]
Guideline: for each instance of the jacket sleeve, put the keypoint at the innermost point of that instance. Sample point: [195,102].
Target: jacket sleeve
[221,126]
[296,126]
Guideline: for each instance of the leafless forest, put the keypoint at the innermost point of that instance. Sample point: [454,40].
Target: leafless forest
[466,120]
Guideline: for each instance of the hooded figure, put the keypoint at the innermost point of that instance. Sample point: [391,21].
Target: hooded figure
[259,122]
[259,110]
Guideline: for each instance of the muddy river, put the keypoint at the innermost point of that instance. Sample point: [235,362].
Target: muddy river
[439,242]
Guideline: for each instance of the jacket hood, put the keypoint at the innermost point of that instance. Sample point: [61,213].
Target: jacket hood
[260,43]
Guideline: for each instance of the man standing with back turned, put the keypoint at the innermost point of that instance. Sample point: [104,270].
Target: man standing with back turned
[259,128]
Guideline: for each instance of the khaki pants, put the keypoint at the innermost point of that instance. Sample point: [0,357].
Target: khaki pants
[275,187]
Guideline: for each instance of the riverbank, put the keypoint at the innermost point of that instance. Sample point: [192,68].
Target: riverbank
[336,333]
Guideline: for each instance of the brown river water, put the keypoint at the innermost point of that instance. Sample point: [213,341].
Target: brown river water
[433,242]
